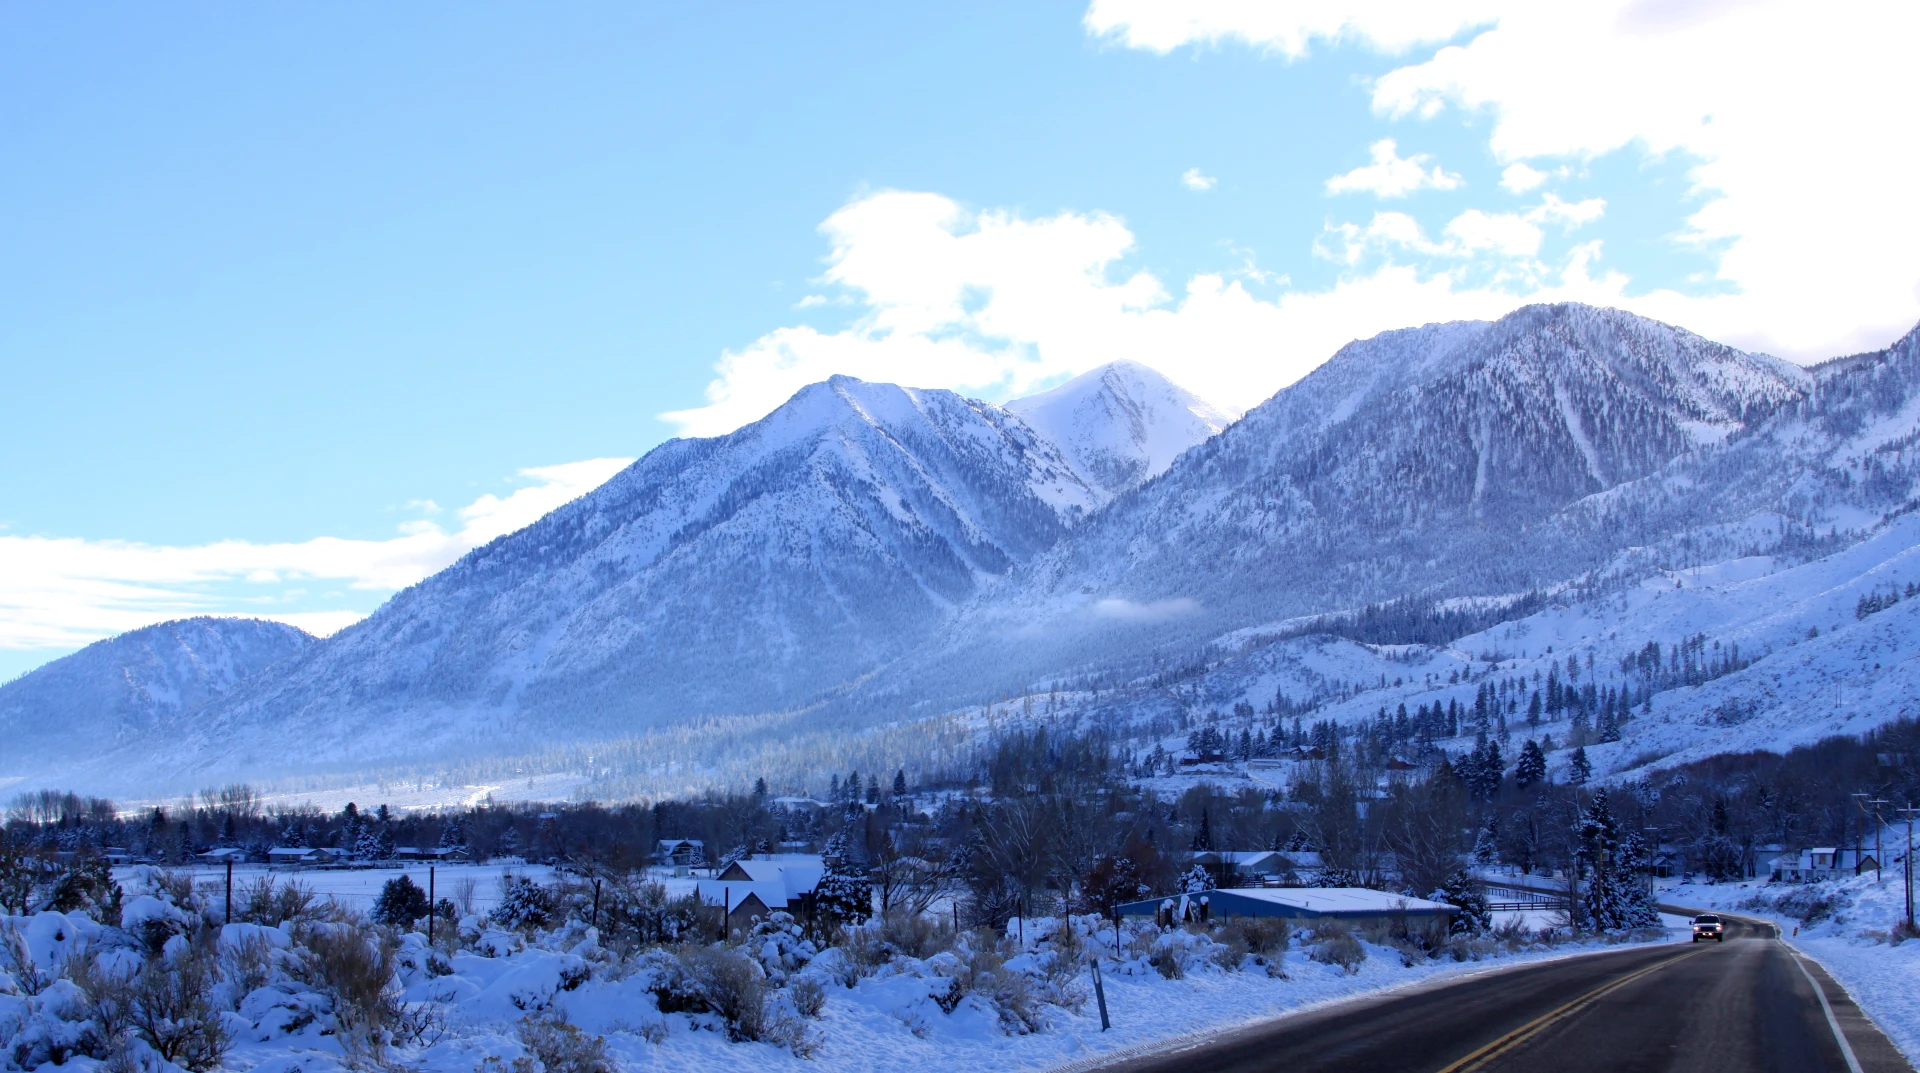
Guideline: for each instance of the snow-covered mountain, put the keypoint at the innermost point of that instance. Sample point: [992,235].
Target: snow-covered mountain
[1452,460]
[744,573]
[869,552]
[1122,424]
[134,688]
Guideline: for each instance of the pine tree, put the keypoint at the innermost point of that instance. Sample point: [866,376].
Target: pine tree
[1579,768]
[845,894]
[1615,897]
[900,783]
[401,902]
[1486,847]
[1533,709]
[1203,838]
[1466,895]
[1532,767]
[760,789]
[523,903]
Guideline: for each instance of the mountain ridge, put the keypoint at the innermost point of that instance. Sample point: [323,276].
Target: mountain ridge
[869,551]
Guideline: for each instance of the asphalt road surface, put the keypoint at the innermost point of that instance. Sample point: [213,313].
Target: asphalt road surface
[1739,1005]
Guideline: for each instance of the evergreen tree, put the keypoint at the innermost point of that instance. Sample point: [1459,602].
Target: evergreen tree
[760,789]
[453,835]
[1486,847]
[845,894]
[1532,767]
[1466,895]
[1203,838]
[401,902]
[900,783]
[523,903]
[1615,896]
[1113,881]
[1579,768]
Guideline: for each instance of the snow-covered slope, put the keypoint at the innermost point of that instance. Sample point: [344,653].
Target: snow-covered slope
[1451,460]
[869,552]
[133,688]
[741,573]
[1122,424]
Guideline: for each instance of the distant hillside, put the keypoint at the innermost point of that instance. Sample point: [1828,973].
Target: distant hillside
[134,688]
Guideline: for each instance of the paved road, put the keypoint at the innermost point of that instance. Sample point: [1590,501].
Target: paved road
[1738,1006]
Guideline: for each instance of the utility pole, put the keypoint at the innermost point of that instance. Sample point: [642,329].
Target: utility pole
[432,906]
[1859,836]
[1879,877]
[229,890]
[1909,810]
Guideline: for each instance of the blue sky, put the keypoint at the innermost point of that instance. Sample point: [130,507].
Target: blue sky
[363,272]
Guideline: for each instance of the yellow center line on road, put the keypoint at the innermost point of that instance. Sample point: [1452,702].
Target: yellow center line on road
[1478,1059]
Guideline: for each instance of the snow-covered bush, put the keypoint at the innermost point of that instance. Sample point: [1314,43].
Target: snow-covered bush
[524,904]
[561,1047]
[172,1008]
[266,901]
[637,911]
[1809,904]
[354,965]
[779,946]
[1333,944]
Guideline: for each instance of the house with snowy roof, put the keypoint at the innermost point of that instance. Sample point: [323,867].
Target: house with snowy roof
[1822,862]
[681,853]
[297,855]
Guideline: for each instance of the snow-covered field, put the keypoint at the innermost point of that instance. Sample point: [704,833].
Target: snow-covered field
[1853,937]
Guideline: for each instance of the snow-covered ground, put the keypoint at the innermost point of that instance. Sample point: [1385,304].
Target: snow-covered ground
[890,1018]
[1852,935]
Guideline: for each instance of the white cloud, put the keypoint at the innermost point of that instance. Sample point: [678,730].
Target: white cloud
[1798,117]
[1518,178]
[1390,175]
[1486,237]
[60,592]
[1504,233]
[994,304]
[1387,25]
[1193,180]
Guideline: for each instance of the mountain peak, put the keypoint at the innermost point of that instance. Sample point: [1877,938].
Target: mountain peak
[1121,424]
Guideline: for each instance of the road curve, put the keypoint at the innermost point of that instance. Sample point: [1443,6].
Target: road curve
[1748,1004]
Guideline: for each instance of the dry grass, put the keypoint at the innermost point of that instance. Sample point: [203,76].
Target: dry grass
[172,1009]
[354,965]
